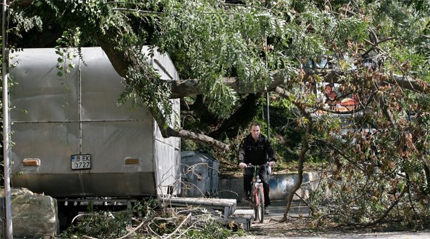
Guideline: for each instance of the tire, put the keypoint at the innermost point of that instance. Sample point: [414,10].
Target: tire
[260,206]
[254,198]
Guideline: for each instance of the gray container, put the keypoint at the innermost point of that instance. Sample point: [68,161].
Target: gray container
[199,172]
[57,117]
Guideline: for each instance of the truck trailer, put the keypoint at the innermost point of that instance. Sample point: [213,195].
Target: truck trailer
[71,138]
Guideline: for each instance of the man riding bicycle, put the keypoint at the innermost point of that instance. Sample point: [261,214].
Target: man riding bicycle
[255,149]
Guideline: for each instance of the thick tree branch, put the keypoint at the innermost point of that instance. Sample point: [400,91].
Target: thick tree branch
[168,131]
[184,88]
[185,134]
[402,81]
[190,87]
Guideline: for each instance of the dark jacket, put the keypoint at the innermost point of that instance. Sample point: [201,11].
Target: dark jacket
[256,153]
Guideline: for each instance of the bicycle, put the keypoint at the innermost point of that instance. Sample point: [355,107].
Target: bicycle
[257,193]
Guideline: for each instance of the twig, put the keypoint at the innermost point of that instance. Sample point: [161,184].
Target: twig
[182,233]
[150,229]
[301,198]
[133,230]
[88,237]
[136,10]
[80,215]
[180,225]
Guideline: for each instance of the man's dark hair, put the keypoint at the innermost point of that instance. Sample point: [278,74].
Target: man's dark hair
[255,123]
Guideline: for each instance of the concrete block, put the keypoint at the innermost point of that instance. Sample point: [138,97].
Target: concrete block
[33,215]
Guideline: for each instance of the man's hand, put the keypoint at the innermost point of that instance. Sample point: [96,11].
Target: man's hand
[272,164]
[242,165]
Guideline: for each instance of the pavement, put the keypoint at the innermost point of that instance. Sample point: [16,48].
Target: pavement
[380,235]
[276,210]
[298,210]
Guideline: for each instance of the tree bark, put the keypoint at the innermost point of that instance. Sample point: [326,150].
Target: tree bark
[185,134]
[190,87]
[304,149]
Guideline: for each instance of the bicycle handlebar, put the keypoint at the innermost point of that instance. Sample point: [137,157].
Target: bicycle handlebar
[251,165]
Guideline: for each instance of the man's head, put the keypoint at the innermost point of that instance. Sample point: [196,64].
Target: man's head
[255,130]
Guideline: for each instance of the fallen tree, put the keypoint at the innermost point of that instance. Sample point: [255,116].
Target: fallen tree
[226,52]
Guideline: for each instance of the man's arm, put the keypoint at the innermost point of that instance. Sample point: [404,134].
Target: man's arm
[241,155]
[270,153]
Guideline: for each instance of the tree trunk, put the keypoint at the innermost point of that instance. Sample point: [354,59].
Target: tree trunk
[305,147]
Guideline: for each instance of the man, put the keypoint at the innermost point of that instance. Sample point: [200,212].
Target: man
[256,150]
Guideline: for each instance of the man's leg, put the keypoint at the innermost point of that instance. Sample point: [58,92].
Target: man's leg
[247,179]
[263,176]
[266,194]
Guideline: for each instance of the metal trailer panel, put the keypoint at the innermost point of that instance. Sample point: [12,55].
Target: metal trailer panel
[163,146]
[163,150]
[52,143]
[111,143]
[167,151]
[55,101]
[101,88]
[56,117]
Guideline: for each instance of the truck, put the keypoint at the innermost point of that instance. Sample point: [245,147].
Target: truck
[73,140]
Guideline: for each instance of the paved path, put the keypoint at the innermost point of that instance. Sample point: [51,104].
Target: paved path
[380,235]
[276,212]
[277,209]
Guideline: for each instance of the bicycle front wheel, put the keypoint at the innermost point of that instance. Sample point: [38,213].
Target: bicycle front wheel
[255,203]
[260,206]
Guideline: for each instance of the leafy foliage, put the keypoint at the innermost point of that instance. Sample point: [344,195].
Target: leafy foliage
[143,220]
[367,47]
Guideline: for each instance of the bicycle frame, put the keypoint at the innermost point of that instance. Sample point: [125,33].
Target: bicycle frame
[256,185]
[257,193]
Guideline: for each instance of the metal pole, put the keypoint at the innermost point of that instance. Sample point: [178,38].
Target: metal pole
[268,116]
[6,130]
[267,92]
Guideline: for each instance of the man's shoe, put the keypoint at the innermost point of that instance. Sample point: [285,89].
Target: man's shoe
[266,210]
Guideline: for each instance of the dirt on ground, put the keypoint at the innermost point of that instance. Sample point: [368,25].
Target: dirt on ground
[306,227]
[293,227]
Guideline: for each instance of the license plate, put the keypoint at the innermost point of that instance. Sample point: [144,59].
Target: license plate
[81,161]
